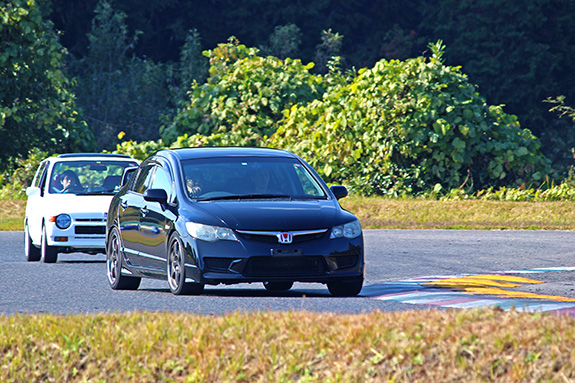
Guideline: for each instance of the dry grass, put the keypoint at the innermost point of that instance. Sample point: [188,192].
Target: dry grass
[473,214]
[382,213]
[12,214]
[410,346]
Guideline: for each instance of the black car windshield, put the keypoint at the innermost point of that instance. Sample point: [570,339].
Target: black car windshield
[249,178]
[87,177]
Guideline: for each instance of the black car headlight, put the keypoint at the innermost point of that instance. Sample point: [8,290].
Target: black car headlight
[63,221]
[349,230]
[210,233]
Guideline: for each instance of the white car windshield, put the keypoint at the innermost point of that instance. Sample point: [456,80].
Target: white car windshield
[87,176]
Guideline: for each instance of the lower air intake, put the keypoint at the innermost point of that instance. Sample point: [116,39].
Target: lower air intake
[285,266]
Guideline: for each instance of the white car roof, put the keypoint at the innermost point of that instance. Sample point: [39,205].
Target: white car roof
[91,156]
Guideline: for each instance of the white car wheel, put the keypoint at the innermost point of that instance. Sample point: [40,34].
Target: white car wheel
[49,254]
[32,252]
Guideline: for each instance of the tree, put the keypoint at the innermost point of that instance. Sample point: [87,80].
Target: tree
[519,53]
[37,108]
[245,96]
[192,68]
[284,42]
[328,49]
[117,91]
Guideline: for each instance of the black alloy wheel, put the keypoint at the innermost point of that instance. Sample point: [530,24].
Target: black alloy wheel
[114,266]
[176,269]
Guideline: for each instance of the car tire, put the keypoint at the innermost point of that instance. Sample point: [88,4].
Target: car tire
[33,253]
[345,287]
[48,254]
[114,261]
[278,286]
[176,270]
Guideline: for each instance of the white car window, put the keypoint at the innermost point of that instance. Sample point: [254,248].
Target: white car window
[39,174]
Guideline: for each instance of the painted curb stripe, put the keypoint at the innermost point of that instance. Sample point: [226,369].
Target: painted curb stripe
[474,290]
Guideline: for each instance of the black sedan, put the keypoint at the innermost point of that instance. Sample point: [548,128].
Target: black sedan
[200,216]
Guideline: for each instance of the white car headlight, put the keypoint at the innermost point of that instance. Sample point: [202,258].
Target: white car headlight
[349,230]
[210,233]
[63,221]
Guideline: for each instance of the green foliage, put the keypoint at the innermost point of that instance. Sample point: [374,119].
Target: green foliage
[560,108]
[14,184]
[329,48]
[139,150]
[144,149]
[243,100]
[561,192]
[37,108]
[518,52]
[405,126]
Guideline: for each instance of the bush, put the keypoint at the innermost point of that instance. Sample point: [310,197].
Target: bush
[245,96]
[406,126]
[14,184]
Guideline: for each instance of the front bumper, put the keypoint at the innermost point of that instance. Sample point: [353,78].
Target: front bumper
[84,235]
[318,260]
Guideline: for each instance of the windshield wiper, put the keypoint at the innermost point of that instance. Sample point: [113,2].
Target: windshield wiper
[245,196]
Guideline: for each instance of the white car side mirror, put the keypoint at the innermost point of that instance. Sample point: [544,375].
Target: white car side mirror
[32,191]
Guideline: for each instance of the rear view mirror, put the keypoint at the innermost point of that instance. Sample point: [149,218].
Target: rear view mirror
[156,195]
[339,191]
[99,167]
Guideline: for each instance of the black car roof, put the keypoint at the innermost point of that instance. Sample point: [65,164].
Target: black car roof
[225,151]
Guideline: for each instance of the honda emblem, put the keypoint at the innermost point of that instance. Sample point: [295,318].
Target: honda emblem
[285,238]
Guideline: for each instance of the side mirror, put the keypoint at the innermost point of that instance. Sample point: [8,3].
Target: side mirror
[32,191]
[128,173]
[339,191]
[156,195]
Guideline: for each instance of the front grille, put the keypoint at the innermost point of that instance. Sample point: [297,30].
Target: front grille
[90,230]
[272,237]
[285,266]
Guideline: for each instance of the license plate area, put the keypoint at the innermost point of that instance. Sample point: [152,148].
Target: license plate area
[286,252]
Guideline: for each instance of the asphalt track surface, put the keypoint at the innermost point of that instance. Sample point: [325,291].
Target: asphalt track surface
[405,269]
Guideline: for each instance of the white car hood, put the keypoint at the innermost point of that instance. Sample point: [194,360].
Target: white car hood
[78,205]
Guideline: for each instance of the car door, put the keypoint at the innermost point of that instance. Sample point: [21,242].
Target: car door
[129,214]
[155,220]
[35,206]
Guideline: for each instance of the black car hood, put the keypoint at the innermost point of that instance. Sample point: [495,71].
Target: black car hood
[280,215]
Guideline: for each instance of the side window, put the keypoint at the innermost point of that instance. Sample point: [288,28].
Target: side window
[141,184]
[39,174]
[162,180]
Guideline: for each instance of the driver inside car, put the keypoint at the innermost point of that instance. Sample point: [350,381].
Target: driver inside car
[69,182]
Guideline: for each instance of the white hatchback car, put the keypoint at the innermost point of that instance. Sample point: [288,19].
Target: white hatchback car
[68,203]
